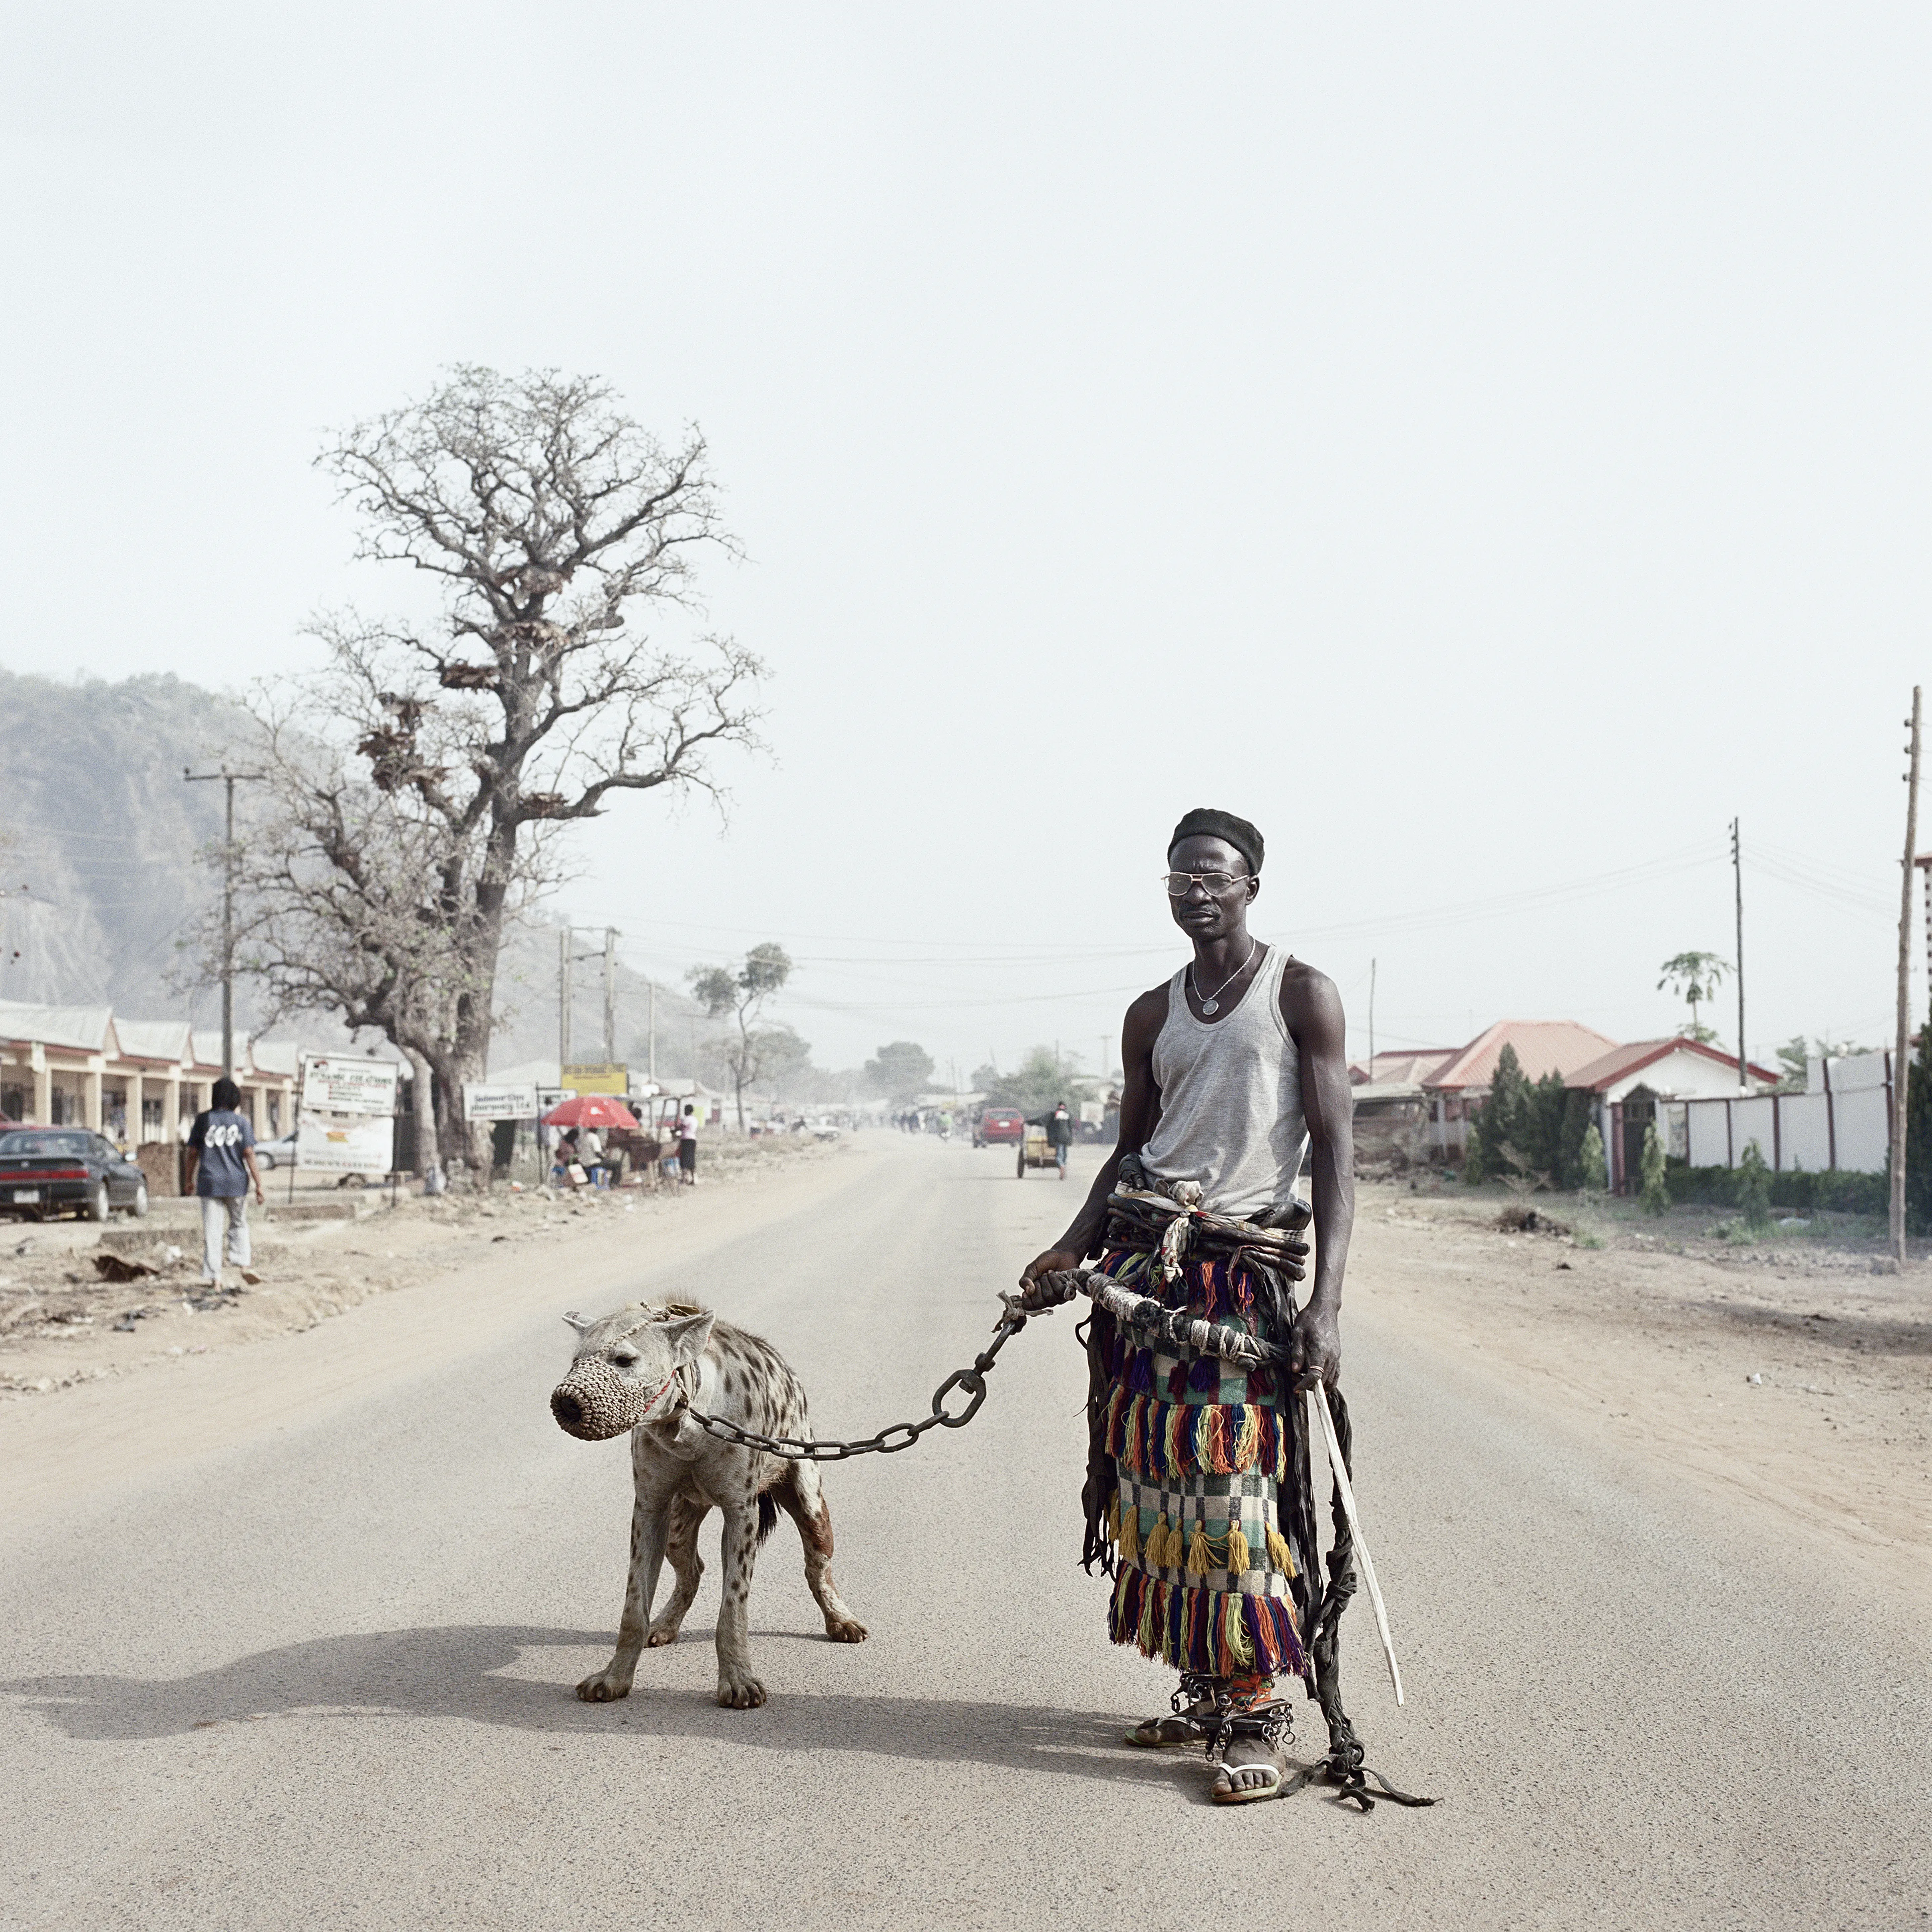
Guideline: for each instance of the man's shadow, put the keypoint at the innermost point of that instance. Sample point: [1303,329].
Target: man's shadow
[458,1672]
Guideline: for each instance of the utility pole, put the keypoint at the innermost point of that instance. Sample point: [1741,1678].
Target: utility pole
[1371,1019]
[563,1003]
[231,780]
[1737,877]
[1901,1084]
[653,985]
[610,996]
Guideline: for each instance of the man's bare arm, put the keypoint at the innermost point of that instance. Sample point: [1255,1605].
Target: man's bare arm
[1140,1109]
[1312,1010]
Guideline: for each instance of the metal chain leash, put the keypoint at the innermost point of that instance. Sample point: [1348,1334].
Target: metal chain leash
[899,1435]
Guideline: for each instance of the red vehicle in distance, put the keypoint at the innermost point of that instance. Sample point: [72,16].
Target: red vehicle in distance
[999,1126]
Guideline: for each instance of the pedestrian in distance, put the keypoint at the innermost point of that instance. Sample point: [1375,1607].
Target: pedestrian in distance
[221,1170]
[1197,1489]
[1060,1135]
[687,1145]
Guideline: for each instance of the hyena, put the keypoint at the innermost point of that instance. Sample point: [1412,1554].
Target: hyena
[642,1369]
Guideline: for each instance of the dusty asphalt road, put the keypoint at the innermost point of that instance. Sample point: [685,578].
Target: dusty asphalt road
[289,1637]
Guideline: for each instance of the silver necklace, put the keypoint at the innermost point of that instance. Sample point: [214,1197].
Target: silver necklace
[1211,1003]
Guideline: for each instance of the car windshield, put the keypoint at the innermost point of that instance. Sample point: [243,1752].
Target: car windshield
[69,1146]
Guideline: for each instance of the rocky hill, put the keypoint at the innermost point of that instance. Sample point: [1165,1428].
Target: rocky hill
[105,857]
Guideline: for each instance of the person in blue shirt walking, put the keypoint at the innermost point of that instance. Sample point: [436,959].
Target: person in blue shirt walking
[220,1170]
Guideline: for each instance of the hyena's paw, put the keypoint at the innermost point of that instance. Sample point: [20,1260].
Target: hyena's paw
[605,1687]
[845,1629]
[660,1634]
[739,1690]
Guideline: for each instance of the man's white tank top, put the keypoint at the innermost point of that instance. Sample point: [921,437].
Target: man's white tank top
[1231,1112]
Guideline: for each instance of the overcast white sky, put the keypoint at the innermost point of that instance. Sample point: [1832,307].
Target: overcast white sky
[1487,445]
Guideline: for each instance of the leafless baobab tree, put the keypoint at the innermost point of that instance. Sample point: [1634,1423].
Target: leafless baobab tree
[418,784]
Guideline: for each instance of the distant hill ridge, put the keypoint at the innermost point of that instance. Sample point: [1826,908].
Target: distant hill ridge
[99,828]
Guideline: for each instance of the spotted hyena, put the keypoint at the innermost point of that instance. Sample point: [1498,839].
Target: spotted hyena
[643,1369]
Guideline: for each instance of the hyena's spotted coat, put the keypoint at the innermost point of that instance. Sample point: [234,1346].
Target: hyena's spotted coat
[642,1369]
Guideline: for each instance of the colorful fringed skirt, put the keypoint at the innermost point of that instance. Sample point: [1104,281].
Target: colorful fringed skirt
[1204,1578]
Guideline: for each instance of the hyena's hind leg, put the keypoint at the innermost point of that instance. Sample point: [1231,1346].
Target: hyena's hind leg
[804,1501]
[687,1567]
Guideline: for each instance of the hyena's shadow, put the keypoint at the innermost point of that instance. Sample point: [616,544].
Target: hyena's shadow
[500,1674]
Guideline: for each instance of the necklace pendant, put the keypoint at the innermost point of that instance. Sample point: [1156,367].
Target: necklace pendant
[1210,1006]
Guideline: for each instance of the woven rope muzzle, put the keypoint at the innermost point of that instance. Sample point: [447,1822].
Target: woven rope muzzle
[593,1402]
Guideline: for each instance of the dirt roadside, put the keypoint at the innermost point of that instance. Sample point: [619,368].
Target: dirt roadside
[1783,1367]
[62,1326]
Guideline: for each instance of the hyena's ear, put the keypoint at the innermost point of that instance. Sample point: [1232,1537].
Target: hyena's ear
[687,1337]
[576,1321]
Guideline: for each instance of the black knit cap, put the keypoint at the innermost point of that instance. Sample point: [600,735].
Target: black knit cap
[1204,822]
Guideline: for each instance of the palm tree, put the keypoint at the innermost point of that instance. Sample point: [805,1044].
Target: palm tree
[1694,976]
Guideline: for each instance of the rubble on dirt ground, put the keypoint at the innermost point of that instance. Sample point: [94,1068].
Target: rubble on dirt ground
[1515,1219]
[116,1267]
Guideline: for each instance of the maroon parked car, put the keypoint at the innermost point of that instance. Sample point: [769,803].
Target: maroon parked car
[999,1126]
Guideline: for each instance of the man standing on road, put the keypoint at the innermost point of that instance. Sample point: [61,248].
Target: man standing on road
[220,1170]
[1235,1071]
[687,1145]
[1060,1135]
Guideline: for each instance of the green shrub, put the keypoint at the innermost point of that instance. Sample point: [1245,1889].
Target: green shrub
[1594,1176]
[1754,1188]
[1656,1197]
[1799,1192]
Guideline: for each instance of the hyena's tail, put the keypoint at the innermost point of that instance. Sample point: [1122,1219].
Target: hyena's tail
[768,1516]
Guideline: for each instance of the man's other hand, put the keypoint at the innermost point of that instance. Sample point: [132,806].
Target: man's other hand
[1314,1336]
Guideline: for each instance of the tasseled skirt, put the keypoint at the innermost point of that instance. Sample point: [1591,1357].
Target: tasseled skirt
[1202,1572]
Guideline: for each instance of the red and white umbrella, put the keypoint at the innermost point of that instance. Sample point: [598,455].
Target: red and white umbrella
[591,1110]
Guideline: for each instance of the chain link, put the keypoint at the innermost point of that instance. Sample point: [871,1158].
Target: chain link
[897,1435]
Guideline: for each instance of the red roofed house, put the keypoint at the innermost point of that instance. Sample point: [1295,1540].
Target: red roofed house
[1634,1086]
[1458,1087]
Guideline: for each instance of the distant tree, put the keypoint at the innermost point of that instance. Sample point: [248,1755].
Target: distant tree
[417,785]
[1796,1055]
[1591,1164]
[741,992]
[1501,1124]
[1694,977]
[1656,1197]
[1042,1079]
[901,1072]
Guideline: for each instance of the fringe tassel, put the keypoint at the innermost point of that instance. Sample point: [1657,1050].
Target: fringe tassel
[1158,1439]
[1128,1536]
[1149,1598]
[1177,1381]
[1238,1550]
[1279,1555]
[1140,1373]
[1200,1557]
[1204,1375]
[1221,1632]
[1247,1439]
[1238,1645]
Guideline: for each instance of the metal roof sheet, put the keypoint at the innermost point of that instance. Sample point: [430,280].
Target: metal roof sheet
[1542,1046]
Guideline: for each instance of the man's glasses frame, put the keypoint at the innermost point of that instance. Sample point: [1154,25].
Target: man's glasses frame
[1213,884]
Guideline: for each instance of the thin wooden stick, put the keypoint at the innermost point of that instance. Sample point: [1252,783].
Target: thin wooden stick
[1367,1562]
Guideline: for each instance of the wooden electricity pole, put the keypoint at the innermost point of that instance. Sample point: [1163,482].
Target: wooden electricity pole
[610,996]
[1900,1084]
[230,780]
[1738,880]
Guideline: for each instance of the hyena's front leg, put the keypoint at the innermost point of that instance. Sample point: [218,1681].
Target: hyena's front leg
[736,1686]
[648,1529]
[681,1551]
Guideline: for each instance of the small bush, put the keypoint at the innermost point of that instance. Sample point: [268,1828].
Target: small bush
[1595,1173]
[1656,1197]
[1754,1188]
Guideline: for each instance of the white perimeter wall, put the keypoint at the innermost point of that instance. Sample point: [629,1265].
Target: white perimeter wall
[1844,1125]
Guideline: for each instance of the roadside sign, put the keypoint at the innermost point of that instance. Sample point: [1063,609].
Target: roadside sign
[483,1101]
[598,1078]
[345,1143]
[347,1084]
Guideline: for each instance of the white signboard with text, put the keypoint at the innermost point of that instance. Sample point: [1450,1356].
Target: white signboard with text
[344,1143]
[482,1102]
[347,1084]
